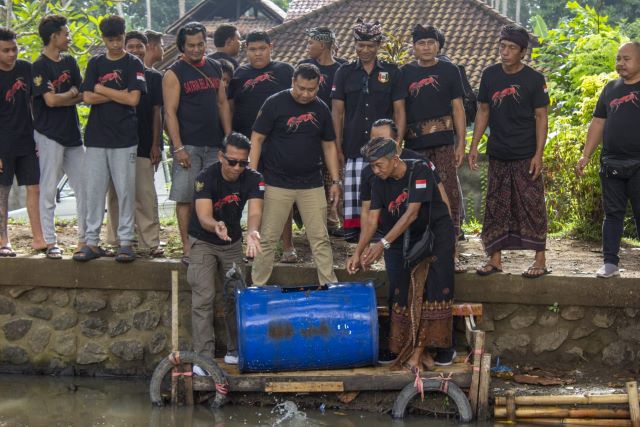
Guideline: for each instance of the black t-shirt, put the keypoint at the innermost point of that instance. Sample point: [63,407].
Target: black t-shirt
[367,98]
[224,55]
[113,125]
[430,92]
[293,147]
[198,114]
[327,73]
[144,111]
[619,104]
[16,126]
[250,87]
[60,124]
[390,197]
[512,100]
[228,200]
[367,175]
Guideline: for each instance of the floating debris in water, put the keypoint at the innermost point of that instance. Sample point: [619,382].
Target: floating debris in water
[287,410]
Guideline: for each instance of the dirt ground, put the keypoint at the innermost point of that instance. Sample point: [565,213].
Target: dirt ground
[565,257]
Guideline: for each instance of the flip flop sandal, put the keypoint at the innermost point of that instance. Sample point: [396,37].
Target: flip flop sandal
[289,257]
[6,251]
[529,275]
[156,252]
[125,254]
[185,260]
[482,271]
[85,254]
[459,268]
[53,252]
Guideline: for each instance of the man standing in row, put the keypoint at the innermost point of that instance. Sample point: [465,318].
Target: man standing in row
[17,148]
[364,91]
[56,91]
[513,102]
[321,43]
[154,51]
[435,114]
[298,133]
[198,117]
[226,39]
[113,84]
[149,151]
[614,122]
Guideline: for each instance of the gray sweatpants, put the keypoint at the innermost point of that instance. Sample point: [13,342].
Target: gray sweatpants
[56,160]
[119,164]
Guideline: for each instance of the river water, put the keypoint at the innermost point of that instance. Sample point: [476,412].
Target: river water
[65,401]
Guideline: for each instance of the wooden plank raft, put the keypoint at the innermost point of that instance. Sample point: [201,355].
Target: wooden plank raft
[378,378]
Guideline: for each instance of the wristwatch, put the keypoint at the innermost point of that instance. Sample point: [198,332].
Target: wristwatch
[385,243]
[338,182]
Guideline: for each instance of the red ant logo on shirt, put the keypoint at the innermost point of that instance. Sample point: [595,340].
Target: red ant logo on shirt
[499,95]
[231,198]
[19,84]
[394,206]
[416,87]
[265,77]
[65,76]
[631,97]
[112,76]
[294,122]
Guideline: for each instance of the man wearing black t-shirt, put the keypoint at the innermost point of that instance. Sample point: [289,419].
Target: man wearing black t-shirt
[226,39]
[615,122]
[113,84]
[297,128]
[17,148]
[363,91]
[513,102]
[435,113]
[215,238]
[149,148]
[197,115]
[250,87]
[320,48]
[56,83]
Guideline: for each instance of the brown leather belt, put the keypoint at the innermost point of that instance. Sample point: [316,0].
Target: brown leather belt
[427,127]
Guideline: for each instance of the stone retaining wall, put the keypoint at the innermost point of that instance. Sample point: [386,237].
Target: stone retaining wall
[103,318]
[51,330]
[570,334]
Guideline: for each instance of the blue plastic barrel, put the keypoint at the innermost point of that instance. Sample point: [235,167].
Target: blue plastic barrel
[328,327]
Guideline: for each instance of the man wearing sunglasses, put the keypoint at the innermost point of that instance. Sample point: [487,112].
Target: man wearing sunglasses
[215,238]
[295,127]
[363,91]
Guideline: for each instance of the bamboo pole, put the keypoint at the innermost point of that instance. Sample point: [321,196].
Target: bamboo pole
[556,412]
[634,405]
[478,346]
[174,333]
[483,388]
[511,405]
[575,421]
[586,399]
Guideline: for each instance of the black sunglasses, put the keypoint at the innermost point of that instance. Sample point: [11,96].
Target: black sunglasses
[234,162]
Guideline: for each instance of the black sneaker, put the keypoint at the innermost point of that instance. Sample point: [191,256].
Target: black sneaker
[445,357]
[336,232]
[386,357]
[352,235]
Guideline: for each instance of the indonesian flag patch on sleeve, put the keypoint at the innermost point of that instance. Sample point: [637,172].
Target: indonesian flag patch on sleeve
[261,186]
[421,184]
[140,76]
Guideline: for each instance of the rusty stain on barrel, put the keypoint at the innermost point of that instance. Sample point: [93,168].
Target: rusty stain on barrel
[321,330]
[278,330]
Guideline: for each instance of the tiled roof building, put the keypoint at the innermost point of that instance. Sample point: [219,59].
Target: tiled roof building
[471,27]
[246,15]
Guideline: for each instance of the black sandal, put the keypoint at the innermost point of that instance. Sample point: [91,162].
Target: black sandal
[53,252]
[125,254]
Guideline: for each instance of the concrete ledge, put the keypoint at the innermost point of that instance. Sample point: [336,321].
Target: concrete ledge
[155,275]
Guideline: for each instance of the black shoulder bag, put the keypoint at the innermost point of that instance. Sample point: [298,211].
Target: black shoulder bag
[423,248]
[619,168]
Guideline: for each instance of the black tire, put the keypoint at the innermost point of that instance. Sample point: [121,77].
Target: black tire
[164,369]
[453,391]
